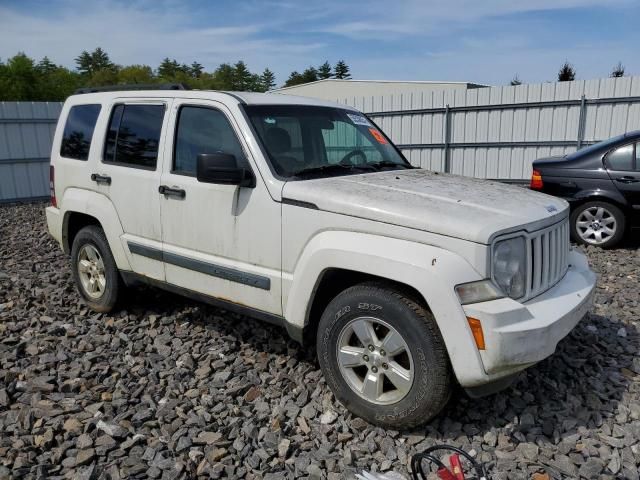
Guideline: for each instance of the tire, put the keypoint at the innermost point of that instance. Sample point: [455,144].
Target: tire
[600,224]
[90,245]
[388,311]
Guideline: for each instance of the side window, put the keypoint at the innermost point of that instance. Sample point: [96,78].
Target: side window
[78,131]
[134,135]
[202,130]
[622,158]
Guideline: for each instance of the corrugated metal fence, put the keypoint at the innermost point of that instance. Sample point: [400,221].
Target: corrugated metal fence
[486,132]
[497,132]
[26,133]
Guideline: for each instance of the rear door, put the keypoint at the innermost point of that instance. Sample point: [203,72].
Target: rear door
[623,166]
[129,174]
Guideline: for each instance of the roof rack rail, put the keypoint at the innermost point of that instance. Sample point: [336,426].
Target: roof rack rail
[133,86]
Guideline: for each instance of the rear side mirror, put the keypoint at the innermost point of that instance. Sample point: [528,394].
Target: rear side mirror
[223,169]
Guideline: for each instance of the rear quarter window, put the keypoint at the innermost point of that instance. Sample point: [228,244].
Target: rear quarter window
[622,158]
[78,131]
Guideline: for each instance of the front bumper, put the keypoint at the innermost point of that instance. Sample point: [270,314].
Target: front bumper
[518,335]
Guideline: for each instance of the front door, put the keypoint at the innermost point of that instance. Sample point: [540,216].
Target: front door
[129,174]
[218,240]
[623,165]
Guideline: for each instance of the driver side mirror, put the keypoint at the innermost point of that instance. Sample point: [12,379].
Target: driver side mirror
[223,169]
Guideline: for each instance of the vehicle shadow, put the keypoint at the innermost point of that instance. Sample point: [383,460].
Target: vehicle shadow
[580,385]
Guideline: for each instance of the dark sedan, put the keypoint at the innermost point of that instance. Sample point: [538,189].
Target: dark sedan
[602,184]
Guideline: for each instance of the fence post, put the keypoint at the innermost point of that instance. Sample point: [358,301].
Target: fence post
[447,139]
[581,121]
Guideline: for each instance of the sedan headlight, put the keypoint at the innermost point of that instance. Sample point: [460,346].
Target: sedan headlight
[509,266]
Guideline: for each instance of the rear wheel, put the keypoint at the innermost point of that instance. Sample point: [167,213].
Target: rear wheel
[597,223]
[383,357]
[94,269]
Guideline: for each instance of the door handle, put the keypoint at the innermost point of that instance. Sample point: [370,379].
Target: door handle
[627,179]
[171,192]
[104,179]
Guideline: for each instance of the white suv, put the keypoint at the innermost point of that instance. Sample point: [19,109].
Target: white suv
[303,213]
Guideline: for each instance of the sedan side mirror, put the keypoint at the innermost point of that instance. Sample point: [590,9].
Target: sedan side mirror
[223,169]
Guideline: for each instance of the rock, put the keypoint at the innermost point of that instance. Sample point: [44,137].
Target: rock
[113,430]
[283,448]
[84,441]
[72,425]
[328,417]
[207,438]
[85,456]
[592,468]
[252,394]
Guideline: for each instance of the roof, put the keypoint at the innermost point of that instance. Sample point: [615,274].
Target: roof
[247,98]
[351,81]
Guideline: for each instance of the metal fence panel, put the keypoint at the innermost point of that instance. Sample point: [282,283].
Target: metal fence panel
[498,132]
[26,134]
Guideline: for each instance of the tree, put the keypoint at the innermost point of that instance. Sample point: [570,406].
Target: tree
[618,71]
[196,70]
[135,74]
[324,71]
[267,80]
[516,81]
[341,71]
[90,63]
[294,79]
[566,73]
[168,69]
[46,66]
[20,79]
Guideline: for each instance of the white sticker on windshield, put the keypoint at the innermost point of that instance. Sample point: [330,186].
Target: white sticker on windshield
[359,119]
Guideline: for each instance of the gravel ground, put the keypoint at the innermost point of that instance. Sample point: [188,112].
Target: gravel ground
[174,389]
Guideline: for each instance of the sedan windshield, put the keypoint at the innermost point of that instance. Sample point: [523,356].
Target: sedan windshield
[310,142]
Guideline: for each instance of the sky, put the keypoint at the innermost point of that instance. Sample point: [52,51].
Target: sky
[482,41]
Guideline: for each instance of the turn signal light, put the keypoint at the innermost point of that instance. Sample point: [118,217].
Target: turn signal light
[476,329]
[536,180]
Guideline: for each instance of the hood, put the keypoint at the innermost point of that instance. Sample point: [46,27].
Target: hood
[460,207]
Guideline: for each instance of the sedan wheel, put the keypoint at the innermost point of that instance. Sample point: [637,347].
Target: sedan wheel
[597,223]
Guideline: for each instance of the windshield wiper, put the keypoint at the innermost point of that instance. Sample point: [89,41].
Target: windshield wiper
[388,163]
[333,168]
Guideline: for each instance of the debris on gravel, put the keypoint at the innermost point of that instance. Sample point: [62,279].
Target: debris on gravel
[168,388]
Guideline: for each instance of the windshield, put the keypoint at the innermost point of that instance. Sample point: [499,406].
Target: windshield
[310,142]
[604,145]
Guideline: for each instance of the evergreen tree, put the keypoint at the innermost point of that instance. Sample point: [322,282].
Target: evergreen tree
[267,80]
[566,73]
[90,63]
[294,79]
[324,71]
[168,69]
[341,71]
[196,70]
[46,66]
[618,71]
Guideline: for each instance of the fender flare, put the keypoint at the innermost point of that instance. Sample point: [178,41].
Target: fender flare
[100,207]
[603,195]
[432,271]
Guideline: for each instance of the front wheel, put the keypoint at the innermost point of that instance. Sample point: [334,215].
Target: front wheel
[383,356]
[597,223]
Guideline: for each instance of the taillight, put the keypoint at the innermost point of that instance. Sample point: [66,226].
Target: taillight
[52,186]
[536,180]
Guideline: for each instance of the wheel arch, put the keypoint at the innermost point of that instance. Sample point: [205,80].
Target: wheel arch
[334,260]
[84,207]
[335,280]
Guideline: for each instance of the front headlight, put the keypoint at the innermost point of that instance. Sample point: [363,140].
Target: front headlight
[509,266]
